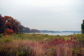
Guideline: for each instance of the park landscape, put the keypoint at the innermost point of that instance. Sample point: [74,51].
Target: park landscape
[14,42]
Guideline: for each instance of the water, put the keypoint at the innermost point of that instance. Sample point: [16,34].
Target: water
[61,32]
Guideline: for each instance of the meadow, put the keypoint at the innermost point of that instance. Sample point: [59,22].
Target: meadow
[41,45]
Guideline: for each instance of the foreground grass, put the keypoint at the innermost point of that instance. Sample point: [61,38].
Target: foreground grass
[41,45]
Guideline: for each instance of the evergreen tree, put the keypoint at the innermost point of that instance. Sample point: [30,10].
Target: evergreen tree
[82,27]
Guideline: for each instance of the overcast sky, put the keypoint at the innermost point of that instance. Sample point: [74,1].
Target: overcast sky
[45,14]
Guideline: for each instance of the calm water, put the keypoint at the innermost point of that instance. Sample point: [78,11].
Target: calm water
[62,33]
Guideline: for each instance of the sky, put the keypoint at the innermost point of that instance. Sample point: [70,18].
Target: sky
[45,14]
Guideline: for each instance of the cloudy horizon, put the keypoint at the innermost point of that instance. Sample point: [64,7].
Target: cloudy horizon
[45,14]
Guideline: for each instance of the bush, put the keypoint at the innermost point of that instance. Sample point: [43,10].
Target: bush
[5,40]
[1,35]
[24,51]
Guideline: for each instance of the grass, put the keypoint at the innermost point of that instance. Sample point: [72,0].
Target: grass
[41,45]
[35,37]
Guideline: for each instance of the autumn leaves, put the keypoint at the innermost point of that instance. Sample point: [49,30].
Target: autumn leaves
[9,25]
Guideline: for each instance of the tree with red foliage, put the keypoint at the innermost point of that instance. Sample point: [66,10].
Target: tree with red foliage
[9,25]
[8,31]
[12,24]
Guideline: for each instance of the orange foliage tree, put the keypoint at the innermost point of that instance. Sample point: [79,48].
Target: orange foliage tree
[9,25]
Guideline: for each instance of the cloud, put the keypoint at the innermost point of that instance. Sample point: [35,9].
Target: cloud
[45,14]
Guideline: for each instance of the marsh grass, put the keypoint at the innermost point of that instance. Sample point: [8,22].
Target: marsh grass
[41,45]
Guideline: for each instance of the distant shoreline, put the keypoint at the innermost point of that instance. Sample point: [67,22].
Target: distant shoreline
[57,32]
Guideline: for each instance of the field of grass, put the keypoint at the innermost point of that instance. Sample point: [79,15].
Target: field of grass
[41,45]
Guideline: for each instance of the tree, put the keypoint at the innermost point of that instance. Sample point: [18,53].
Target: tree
[26,30]
[9,25]
[82,27]
[2,22]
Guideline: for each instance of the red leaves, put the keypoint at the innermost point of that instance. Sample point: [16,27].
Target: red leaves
[57,41]
[9,31]
[62,42]
[9,25]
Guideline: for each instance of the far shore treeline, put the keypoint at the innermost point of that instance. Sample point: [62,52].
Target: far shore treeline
[9,25]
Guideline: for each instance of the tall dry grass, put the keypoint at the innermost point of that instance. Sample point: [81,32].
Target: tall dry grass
[64,46]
